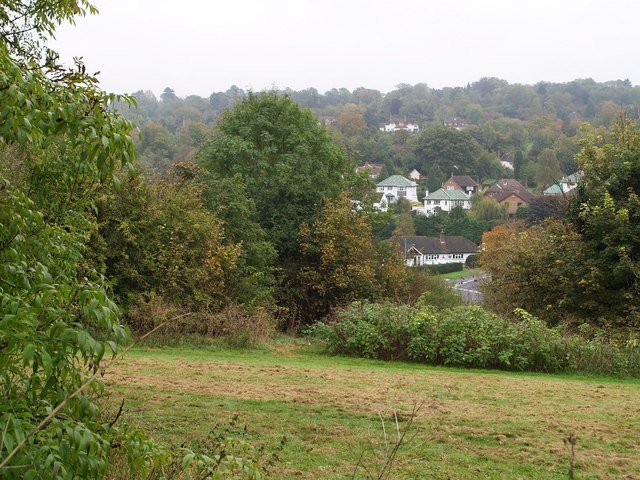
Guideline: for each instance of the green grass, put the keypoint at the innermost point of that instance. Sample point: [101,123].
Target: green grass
[473,424]
[461,274]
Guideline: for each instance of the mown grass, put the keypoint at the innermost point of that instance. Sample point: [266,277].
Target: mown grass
[473,424]
[466,272]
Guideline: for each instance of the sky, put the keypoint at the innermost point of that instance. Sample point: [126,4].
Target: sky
[201,46]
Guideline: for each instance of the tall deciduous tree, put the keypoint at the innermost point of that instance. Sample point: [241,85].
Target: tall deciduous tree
[287,161]
[451,150]
[605,211]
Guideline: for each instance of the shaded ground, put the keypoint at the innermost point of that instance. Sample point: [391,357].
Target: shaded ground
[474,424]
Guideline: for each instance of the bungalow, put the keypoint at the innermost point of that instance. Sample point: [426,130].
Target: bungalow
[444,201]
[464,183]
[565,185]
[398,187]
[418,251]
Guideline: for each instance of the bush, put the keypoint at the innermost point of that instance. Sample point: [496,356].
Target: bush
[469,336]
[446,268]
[473,261]
[237,327]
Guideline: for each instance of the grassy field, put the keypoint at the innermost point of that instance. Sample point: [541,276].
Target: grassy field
[473,424]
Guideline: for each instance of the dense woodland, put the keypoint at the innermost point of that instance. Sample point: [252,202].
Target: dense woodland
[536,127]
[244,214]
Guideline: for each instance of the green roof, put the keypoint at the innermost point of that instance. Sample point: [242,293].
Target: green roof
[553,190]
[443,194]
[396,181]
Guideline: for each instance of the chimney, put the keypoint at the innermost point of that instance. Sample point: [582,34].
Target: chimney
[442,240]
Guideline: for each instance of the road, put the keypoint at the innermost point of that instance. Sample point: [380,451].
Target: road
[469,287]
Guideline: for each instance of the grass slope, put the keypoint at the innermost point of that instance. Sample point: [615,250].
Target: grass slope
[474,424]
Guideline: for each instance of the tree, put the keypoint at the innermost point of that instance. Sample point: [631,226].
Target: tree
[160,240]
[605,211]
[541,269]
[587,266]
[60,137]
[340,260]
[487,210]
[289,166]
[404,225]
[546,206]
[168,95]
[286,160]
[549,169]
[451,150]
[435,178]
[351,121]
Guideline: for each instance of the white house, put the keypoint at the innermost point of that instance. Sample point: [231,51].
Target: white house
[444,201]
[400,127]
[419,251]
[398,187]
[383,203]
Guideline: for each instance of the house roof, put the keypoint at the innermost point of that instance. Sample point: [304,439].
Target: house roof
[505,187]
[559,189]
[433,245]
[525,195]
[373,167]
[464,181]
[442,194]
[396,181]
[553,190]
[507,184]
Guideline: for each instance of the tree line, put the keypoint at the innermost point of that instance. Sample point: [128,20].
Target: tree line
[535,127]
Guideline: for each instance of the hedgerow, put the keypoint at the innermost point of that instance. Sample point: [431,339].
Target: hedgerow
[471,337]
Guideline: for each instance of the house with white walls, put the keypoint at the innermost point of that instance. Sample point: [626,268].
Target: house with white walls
[418,250]
[396,187]
[444,201]
[400,127]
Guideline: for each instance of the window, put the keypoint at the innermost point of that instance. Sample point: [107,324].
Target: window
[449,187]
[401,189]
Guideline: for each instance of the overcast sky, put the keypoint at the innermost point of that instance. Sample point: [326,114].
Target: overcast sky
[201,46]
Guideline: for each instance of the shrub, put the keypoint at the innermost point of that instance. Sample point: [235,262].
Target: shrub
[237,327]
[435,292]
[446,268]
[469,336]
[472,261]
